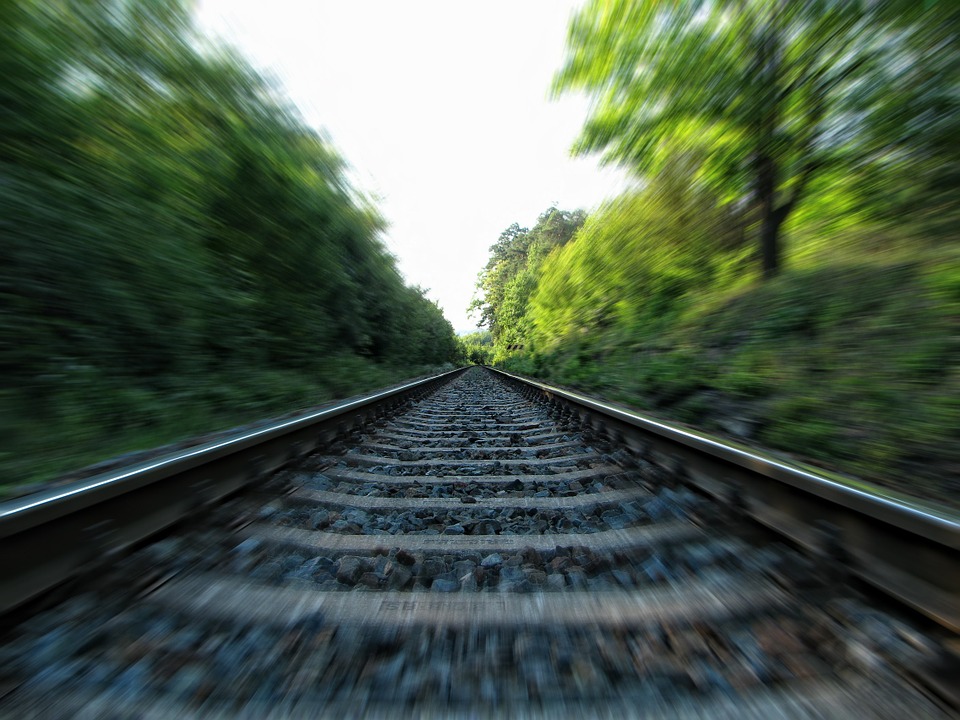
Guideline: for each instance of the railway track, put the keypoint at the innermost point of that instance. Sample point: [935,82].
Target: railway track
[475,553]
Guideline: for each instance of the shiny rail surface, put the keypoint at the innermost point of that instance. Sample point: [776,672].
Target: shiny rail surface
[50,536]
[472,545]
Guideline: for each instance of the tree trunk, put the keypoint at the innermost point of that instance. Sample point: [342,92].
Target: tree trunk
[770,243]
[771,219]
[768,115]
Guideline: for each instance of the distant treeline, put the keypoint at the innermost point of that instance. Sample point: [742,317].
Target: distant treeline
[173,234]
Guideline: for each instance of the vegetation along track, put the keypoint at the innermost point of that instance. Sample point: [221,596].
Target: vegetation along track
[478,553]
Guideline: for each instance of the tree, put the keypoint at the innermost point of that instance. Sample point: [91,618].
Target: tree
[759,88]
[507,256]
[510,276]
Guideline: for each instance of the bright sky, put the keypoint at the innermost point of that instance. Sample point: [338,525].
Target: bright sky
[442,110]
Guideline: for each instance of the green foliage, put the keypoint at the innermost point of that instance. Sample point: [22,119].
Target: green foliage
[765,96]
[477,348]
[172,232]
[633,263]
[510,277]
[852,365]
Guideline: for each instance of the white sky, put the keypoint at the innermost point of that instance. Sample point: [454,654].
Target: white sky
[442,110]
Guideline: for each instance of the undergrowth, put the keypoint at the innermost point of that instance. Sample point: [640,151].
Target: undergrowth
[853,365]
[91,417]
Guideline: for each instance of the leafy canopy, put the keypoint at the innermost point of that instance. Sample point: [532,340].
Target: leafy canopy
[764,93]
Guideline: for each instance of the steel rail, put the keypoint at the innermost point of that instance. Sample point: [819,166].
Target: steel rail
[50,536]
[900,546]
[904,548]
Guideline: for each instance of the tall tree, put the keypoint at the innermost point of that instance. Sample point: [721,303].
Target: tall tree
[757,87]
